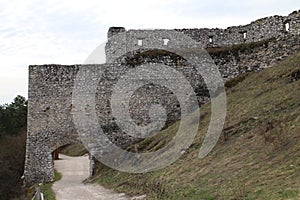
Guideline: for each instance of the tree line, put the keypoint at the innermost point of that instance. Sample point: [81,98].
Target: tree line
[13,116]
[13,122]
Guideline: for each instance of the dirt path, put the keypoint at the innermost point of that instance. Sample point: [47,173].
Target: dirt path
[74,170]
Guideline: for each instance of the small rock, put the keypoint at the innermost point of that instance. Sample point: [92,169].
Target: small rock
[139,197]
[121,194]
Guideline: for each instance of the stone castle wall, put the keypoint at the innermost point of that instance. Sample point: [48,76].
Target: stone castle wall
[256,31]
[50,106]
[50,123]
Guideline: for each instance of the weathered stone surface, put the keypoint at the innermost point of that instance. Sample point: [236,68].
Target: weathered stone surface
[50,109]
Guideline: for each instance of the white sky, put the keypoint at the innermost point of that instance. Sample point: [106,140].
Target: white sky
[67,31]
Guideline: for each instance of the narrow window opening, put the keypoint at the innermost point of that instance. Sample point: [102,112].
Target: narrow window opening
[210,39]
[245,35]
[140,42]
[166,41]
[287,26]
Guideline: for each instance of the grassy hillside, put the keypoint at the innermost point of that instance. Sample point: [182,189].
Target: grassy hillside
[73,150]
[258,156]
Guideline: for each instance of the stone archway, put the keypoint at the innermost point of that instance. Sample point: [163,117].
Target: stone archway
[50,118]
[50,103]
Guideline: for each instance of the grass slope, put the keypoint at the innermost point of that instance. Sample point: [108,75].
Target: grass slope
[73,150]
[46,189]
[258,156]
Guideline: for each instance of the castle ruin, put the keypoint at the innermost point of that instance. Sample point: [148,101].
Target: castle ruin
[235,50]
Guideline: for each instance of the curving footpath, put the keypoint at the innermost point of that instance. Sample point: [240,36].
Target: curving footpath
[74,170]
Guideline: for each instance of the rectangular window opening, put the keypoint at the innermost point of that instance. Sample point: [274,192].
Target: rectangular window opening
[245,35]
[287,27]
[166,41]
[140,42]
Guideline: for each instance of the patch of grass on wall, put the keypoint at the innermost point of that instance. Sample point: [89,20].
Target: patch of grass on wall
[235,49]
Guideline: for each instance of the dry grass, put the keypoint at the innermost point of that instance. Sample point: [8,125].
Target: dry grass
[46,188]
[73,150]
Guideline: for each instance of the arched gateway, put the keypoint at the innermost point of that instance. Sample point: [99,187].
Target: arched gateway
[50,108]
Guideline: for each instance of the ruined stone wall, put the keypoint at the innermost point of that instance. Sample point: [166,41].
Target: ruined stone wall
[240,59]
[294,23]
[256,31]
[50,106]
[262,29]
[51,109]
[49,123]
[281,33]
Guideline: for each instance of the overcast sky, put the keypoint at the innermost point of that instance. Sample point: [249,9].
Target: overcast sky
[66,32]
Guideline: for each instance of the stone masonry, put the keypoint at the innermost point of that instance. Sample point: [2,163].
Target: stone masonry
[235,50]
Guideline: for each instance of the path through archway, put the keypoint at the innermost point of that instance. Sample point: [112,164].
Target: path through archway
[74,170]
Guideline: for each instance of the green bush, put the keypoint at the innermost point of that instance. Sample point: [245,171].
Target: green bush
[13,117]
